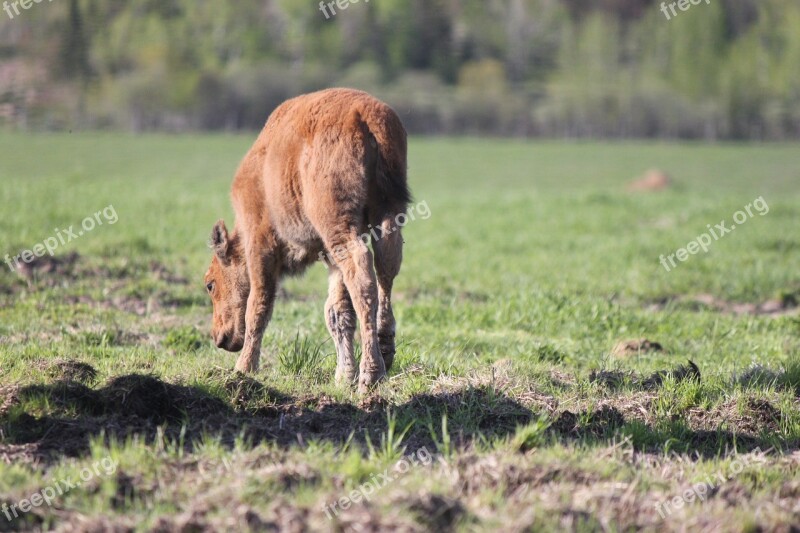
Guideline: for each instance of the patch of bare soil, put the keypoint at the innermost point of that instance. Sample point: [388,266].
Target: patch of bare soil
[786,305]
[759,416]
[477,474]
[444,293]
[636,347]
[163,273]
[48,269]
[69,269]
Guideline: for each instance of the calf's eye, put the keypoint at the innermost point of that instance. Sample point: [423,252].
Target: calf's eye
[210,287]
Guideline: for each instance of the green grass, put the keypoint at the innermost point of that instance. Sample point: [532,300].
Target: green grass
[534,263]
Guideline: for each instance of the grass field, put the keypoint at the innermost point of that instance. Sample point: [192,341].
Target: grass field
[508,407]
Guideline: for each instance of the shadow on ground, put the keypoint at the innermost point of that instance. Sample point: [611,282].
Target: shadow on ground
[147,407]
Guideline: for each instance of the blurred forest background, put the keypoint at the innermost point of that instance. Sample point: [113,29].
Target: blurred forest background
[729,69]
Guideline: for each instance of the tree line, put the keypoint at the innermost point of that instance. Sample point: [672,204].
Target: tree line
[726,69]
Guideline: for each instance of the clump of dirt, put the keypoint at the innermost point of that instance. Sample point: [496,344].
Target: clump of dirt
[612,379]
[439,513]
[652,181]
[689,372]
[69,370]
[373,403]
[600,423]
[636,347]
[764,413]
[146,397]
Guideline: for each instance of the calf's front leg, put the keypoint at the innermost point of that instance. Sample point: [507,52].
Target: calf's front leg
[263,274]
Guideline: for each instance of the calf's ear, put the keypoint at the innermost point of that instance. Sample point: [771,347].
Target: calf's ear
[220,242]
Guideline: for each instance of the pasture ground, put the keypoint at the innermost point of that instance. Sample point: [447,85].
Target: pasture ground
[534,264]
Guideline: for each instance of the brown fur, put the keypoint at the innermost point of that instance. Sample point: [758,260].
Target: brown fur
[327,167]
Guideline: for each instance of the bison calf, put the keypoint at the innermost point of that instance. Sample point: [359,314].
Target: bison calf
[327,169]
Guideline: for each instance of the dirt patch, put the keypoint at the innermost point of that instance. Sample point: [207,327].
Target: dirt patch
[757,417]
[636,347]
[116,275]
[163,273]
[49,269]
[478,474]
[785,305]
[136,305]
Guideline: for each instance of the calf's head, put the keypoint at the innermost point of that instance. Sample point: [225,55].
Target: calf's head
[228,285]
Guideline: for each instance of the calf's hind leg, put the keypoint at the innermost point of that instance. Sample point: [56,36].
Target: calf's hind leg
[359,278]
[388,249]
[340,318]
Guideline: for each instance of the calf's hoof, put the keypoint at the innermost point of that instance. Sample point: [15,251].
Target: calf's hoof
[368,381]
[388,359]
[387,350]
[346,376]
[246,365]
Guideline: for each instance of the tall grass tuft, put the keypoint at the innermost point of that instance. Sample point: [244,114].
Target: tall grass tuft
[301,356]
